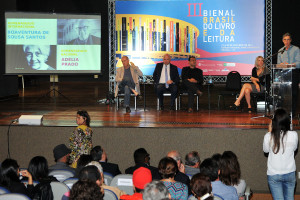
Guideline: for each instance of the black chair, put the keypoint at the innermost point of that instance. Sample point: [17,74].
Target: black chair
[183,92]
[232,88]
[264,95]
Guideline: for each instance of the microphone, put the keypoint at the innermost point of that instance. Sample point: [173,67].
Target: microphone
[283,50]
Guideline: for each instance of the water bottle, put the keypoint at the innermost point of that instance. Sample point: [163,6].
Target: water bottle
[210,80]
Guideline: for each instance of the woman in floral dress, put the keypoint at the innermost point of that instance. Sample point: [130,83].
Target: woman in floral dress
[81,138]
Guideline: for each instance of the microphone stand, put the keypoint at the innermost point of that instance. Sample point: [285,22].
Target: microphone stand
[266,88]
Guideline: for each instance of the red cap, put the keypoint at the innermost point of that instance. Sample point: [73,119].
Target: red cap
[141,177]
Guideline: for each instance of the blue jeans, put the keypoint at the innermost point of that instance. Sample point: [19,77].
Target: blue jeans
[282,186]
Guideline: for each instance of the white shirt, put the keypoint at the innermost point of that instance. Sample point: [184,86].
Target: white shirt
[163,76]
[282,162]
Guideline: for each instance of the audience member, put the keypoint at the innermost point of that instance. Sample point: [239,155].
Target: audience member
[168,168]
[201,187]
[38,168]
[281,143]
[85,190]
[127,78]
[210,168]
[141,159]
[156,190]
[180,175]
[192,163]
[82,162]
[140,178]
[88,173]
[81,138]
[166,78]
[230,173]
[62,156]
[9,178]
[98,154]
[116,190]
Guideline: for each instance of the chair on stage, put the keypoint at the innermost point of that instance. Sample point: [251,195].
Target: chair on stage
[262,96]
[61,174]
[13,196]
[183,92]
[59,189]
[123,182]
[70,182]
[109,195]
[232,88]
[123,95]
[167,94]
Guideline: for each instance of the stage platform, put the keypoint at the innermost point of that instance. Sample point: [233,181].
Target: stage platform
[90,96]
[206,131]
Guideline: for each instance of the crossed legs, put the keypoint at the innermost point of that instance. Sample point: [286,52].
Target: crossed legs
[245,91]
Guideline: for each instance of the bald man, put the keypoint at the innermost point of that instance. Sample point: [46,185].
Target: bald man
[166,78]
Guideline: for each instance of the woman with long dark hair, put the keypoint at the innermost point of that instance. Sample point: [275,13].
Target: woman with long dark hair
[38,167]
[9,178]
[281,143]
[230,172]
[81,138]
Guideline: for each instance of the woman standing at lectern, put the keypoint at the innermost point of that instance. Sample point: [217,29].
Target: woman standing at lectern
[81,138]
[258,84]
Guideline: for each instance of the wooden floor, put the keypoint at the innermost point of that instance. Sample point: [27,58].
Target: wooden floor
[90,96]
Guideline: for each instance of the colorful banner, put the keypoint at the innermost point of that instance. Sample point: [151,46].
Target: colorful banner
[224,35]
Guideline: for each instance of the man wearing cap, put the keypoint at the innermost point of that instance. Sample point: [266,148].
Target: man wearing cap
[61,155]
[140,178]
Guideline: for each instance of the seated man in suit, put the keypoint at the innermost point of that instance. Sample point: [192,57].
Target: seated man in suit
[98,154]
[166,78]
[127,78]
[61,155]
[192,79]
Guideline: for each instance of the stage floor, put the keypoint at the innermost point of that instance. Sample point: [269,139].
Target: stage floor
[60,111]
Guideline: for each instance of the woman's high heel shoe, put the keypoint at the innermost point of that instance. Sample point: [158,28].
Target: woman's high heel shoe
[234,107]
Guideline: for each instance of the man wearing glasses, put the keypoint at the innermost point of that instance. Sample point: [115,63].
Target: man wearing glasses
[83,30]
[290,54]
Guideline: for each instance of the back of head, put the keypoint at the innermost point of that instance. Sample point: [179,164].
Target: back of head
[96,153]
[192,158]
[140,155]
[60,151]
[141,177]
[280,124]
[89,173]
[210,168]
[85,190]
[83,160]
[96,164]
[167,167]
[156,190]
[38,167]
[201,185]
[9,172]
[175,155]
[230,172]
